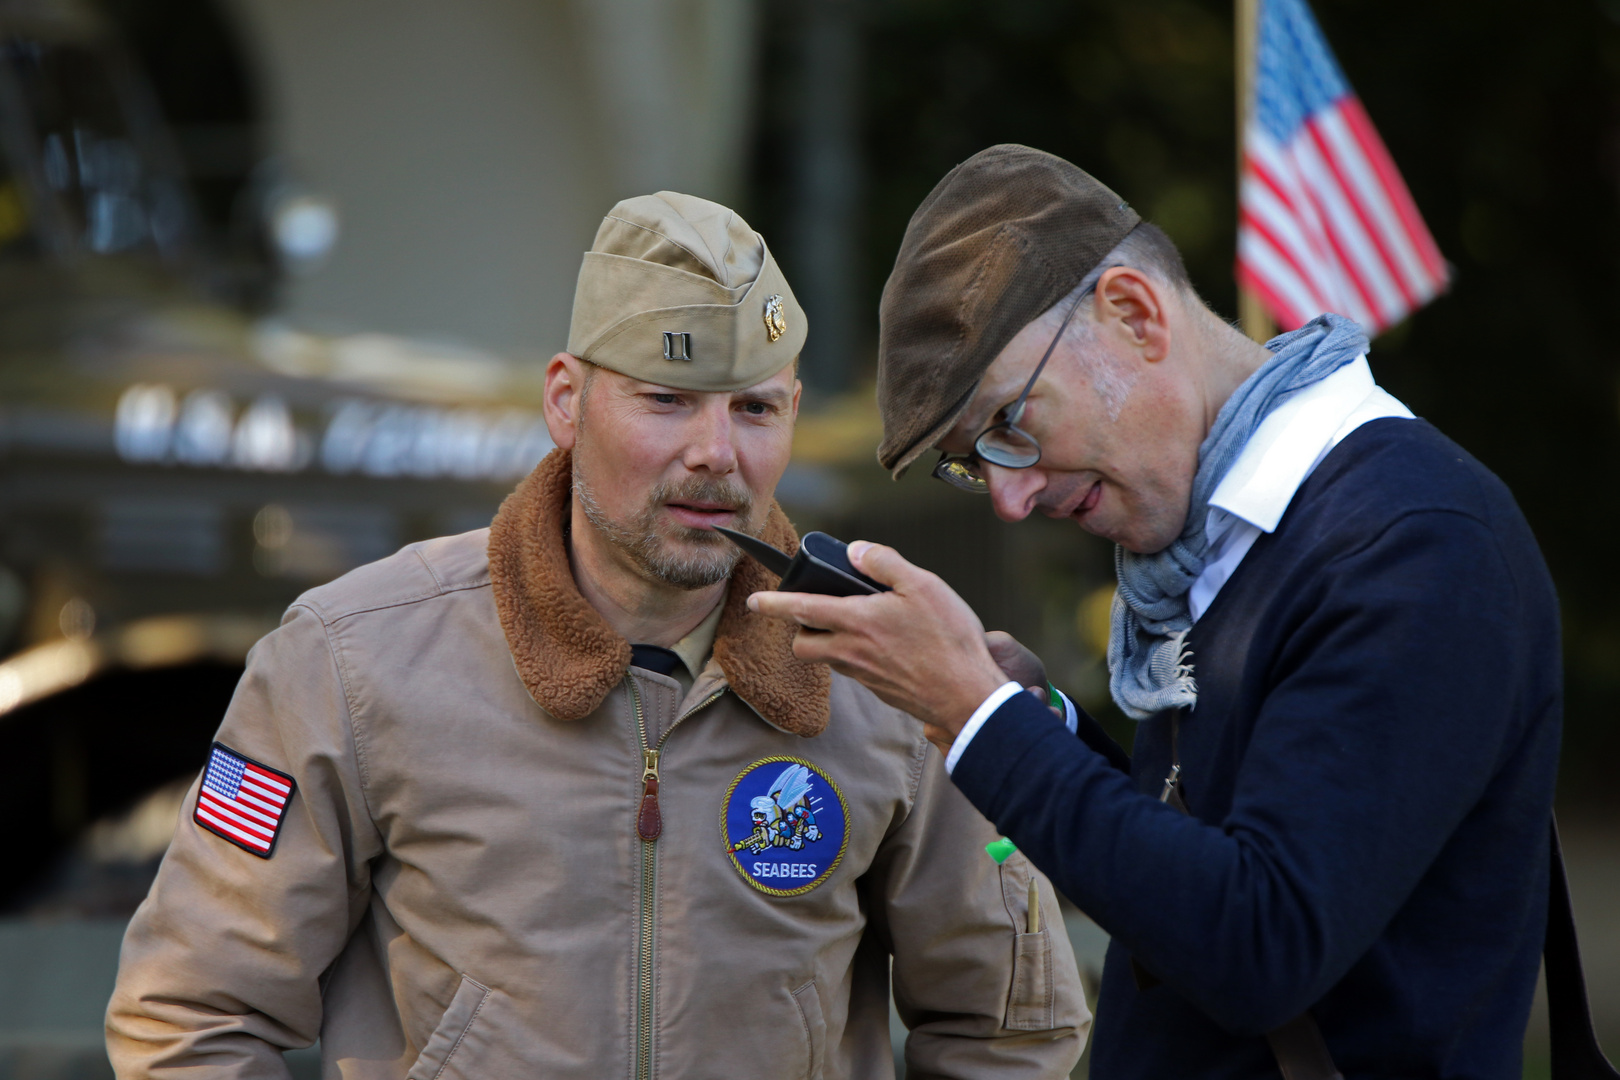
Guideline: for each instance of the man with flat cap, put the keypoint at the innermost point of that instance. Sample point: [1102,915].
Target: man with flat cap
[1328,852]
[548,800]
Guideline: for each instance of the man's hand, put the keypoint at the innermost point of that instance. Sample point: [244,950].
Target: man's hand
[920,648]
[1020,665]
[1017,662]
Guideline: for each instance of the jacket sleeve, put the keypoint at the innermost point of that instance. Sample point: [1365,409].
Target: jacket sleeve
[982,996]
[1391,708]
[221,966]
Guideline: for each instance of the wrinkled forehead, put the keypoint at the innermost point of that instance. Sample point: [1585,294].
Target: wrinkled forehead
[777,384]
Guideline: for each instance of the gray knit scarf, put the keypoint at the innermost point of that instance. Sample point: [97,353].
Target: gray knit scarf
[1149,666]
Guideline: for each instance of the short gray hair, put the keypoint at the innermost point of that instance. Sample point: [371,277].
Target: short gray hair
[1145,248]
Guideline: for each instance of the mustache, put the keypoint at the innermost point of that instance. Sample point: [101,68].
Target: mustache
[705,489]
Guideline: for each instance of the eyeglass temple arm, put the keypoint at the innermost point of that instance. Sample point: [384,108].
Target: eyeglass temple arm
[1017,409]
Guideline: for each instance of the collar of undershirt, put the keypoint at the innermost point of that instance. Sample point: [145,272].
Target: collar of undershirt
[695,647]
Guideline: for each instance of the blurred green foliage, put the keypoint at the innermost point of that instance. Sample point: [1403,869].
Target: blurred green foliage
[1504,119]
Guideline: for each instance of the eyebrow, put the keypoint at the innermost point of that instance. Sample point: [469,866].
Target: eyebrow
[998,403]
[751,394]
[641,386]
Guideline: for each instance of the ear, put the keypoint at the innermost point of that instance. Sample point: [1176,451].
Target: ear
[798,389]
[565,387]
[1133,305]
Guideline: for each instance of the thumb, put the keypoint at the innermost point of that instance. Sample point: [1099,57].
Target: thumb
[882,564]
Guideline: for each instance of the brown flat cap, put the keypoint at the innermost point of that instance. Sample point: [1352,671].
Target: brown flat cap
[1007,234]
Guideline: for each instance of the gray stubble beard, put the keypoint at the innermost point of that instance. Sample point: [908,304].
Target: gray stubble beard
[640,540]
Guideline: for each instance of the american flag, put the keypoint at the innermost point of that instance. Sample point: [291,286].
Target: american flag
[242,801]
[1325,222]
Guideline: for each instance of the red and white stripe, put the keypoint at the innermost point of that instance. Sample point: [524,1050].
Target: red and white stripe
[1327,224]
[254,815]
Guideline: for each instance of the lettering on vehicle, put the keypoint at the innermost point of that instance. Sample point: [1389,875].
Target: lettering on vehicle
[206,428]
[785,825]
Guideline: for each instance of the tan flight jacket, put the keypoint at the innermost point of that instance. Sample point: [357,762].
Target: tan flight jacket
[459,889]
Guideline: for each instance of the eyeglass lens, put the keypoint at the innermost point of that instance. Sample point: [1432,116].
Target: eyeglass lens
[961,473]
[1008,446]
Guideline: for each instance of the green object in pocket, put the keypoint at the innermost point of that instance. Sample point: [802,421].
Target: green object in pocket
[1000,850]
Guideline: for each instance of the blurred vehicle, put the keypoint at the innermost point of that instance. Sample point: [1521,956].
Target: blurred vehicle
[172,471]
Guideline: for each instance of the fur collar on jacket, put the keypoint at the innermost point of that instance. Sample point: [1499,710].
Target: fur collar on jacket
[568,656]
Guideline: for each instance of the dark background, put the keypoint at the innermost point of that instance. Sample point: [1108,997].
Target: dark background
[1502,118]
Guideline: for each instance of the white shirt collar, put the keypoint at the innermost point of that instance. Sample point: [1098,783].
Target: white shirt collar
[1287,446]
[1294,438]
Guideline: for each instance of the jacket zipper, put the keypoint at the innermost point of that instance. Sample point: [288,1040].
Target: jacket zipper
[649,827]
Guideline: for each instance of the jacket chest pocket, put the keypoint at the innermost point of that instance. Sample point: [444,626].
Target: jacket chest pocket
[1030,1002]
[1032,997]
[447,1054]
[808,1000]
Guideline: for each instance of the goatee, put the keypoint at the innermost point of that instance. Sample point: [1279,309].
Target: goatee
[684,557]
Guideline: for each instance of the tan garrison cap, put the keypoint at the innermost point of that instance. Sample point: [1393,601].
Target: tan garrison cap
[1007,234]
[679,291]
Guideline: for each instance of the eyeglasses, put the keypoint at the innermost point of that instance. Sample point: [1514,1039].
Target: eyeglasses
[1004,443]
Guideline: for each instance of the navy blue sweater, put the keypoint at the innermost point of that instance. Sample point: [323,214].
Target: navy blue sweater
[1369,770]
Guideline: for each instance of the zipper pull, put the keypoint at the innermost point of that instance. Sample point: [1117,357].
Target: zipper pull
[1171,780]
[649,822]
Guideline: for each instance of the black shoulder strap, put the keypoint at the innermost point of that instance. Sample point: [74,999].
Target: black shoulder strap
[1575,1051]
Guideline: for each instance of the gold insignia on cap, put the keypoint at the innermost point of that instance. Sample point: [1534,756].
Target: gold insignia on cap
[672,291]
[775,317]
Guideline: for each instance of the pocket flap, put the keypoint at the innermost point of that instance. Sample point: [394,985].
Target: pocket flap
[452,1029]
[808,999]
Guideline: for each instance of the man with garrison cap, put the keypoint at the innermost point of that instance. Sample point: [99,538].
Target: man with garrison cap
[548,800]
[1328,851]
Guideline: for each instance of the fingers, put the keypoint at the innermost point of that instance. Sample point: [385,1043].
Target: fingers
[882,564]
[942,738]
[806,609]
[814,647]
[1014,659]
[1000,641]
[1003,646]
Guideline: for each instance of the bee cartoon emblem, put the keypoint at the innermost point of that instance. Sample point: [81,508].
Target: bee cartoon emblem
[784,825]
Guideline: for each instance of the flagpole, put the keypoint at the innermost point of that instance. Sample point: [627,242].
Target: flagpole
[1251,315]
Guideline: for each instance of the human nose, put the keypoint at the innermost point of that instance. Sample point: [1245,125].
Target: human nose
[713,447]
[1012,491]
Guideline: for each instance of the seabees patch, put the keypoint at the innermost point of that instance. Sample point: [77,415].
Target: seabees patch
[785,825]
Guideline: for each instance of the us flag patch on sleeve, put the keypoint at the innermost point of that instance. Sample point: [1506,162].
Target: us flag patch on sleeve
[242,801]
